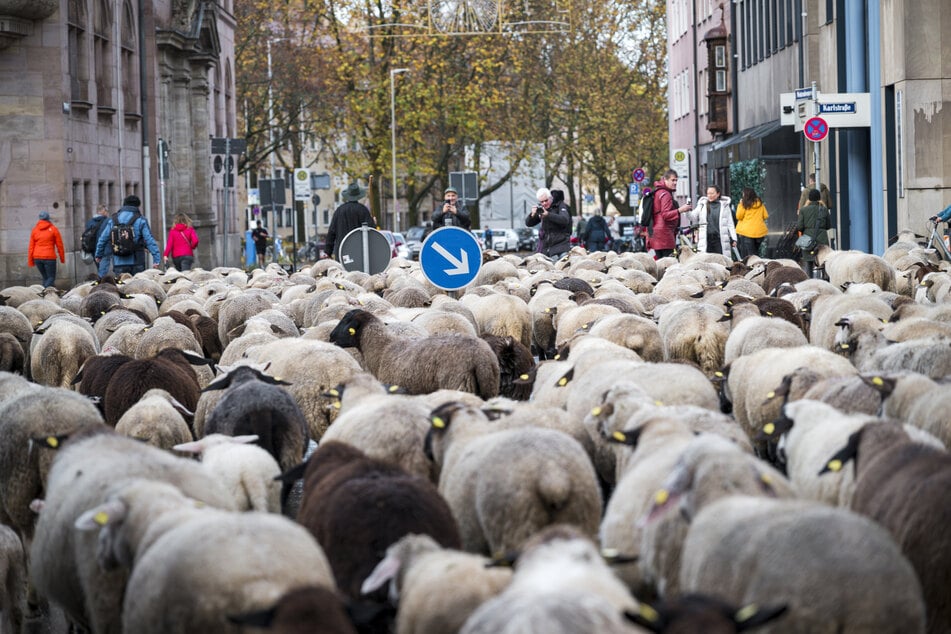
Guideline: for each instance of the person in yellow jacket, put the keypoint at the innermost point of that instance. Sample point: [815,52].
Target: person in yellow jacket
[751,227]
[45,241]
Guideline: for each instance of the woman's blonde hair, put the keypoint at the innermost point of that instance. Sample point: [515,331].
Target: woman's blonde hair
[183,220]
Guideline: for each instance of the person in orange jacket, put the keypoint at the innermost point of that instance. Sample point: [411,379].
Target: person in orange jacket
[45,241]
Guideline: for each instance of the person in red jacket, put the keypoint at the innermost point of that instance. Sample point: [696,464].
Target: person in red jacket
[666,216]
[45,241]
[181,243]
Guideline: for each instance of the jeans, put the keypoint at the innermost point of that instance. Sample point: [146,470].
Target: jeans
[104,265]
[46,268]
[748,246]
[184,262]
[595,245]
[662,253]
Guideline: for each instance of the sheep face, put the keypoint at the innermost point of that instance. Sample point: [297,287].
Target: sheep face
[348,331]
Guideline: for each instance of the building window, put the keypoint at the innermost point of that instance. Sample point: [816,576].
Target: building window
[103,54]
[130,69]
[721,81]
[78,53]
[719,56]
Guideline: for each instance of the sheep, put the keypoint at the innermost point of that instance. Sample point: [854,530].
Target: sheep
[777,274]
[254,403]
[441,322]
[238,309]
[543,306]
[16,323]
[901,484]
[548,479]
[64,566]
[383,426]
[572,319]
[356,507]
[560,585]
[59,347]
[860,336]
[692,332]
[857,267]
[501,315]
[256,332]
[110,322]
[158,419]
[424,365]
[248,472]
[514,359]
[703,613]
[312,368]
[828,309]
[438,589]
[752,377]
[169,543]
[310,609]
[756,333]
[708,469]
[633,332]
[835,570]
[13,606]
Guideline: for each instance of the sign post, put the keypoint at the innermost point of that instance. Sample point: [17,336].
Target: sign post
[365,249]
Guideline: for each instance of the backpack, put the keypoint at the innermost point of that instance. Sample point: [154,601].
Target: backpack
[89,238]
[647,212]
[123,236]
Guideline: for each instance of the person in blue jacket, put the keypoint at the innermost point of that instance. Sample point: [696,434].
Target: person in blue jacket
[942,216]
[135,262]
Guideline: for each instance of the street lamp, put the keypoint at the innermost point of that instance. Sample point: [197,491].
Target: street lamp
[396,207]
[270,132]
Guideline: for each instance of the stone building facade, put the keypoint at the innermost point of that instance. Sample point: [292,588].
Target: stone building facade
[87,89]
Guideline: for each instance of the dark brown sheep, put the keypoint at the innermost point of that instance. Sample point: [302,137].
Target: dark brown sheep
[777,273]
[514,361]
[309,610]
[903,486]
[356,507]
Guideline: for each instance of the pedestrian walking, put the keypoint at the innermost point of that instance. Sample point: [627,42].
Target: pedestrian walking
[813,222]
[352,214]
[259,236]
[181,243]
[45,242]
[596,233]
[751,229]
[127,236]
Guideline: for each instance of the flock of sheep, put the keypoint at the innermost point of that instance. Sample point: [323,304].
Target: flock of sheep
[606,444]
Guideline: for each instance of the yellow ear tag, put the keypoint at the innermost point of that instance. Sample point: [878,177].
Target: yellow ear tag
[648,613]
[585,326]
[659,403]
[557,357]
[877,380]
[619,436]
[562,382]
[718,374]
[101,518]
[769,428]
[746,612]
[661,496]
[609,553]
[769,314]
[52,441]
[352,331]
[394,388]
[771,394]
[765,479]
[524,377]
[336,405]
[548,310]
[596,411]
[844,346]
[439,423]
[334,392]
[835,465]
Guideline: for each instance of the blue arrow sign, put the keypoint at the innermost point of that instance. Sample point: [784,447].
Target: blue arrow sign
[450,258]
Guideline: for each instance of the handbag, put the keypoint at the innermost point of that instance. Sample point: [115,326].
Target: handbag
[806,242]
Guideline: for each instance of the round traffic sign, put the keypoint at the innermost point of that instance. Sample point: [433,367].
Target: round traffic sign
[638,175]
[365,249]
[816,129]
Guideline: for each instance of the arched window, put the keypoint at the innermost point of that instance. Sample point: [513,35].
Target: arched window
[130,65]
[103,57]
[216,105]
[77,22]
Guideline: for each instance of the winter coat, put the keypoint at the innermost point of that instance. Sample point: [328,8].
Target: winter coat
[181,242]
[45,241]
[666,218]
[555,233]
[347,217]
[596,230]
[751,222]
[814,221]
[700,215]
[142,233]
[447,219]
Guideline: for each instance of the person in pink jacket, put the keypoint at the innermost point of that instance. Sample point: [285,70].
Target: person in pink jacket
[666,216]
[181,243]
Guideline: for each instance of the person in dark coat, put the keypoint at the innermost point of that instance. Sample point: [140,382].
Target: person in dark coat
[135,263]
[814,222]
[596,233]
[666,216]
[349,216]
[452,213]
[555,219]
[260,236]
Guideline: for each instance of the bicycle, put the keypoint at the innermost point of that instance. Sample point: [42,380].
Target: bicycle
[937,242]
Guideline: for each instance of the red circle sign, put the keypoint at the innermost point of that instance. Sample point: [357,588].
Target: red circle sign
[816,129]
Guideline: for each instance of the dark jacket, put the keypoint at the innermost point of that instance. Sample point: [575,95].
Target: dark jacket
[555,231]
[666,218]
[347,217]
[596,230]
[448,219]
[814,221]
[143,236]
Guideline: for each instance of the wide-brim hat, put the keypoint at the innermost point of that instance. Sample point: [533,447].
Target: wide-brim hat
[354,192]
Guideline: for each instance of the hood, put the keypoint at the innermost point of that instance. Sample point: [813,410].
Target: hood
[661,185]
[43,224]
[179,227]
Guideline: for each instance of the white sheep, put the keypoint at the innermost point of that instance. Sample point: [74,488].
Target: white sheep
[158,419]
[247,471]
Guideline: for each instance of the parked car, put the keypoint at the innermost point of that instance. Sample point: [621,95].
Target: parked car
[504,240]
[394,252]
[414,240]
[527,238]
[401,248]
[480,237]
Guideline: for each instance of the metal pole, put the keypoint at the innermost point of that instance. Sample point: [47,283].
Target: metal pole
[365,234]
[396,207]
[815,145]
[270,132]
[224,211]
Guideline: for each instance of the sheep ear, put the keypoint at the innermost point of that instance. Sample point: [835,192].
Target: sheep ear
[244,440]
[614,558]
[629,438]
[260,619]
[221,383]
[395,389]
[384,571]
[566,378]
[293,474]
[103,515]
[647,617]
[752,615]
[79,375]
[196,359]
[676,485]
[842,457]
[52,441]
[195,446]
[503,560]
[273,380]
[885,385]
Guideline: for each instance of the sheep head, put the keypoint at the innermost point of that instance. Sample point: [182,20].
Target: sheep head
[347,333]
[696,613]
